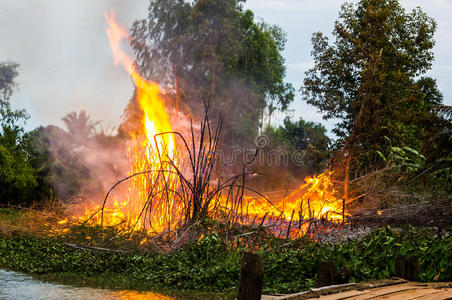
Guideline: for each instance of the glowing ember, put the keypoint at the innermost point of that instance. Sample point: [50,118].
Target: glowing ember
[145,206]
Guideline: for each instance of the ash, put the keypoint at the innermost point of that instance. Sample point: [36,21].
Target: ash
[334,233]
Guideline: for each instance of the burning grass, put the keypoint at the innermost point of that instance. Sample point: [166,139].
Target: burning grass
[171,192]
[172,222]
[171,185]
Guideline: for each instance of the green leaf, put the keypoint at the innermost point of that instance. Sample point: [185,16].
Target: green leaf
[382,156]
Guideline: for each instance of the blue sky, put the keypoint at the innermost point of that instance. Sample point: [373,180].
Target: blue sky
[66,63]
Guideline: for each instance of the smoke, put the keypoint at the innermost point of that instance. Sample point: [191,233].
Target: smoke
[82,166]
[66,62]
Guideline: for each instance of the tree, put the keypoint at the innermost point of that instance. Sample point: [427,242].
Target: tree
[9,118]
[295,150]
[80,127]
[308,138]
[219,54]
[18,179]
[369,78]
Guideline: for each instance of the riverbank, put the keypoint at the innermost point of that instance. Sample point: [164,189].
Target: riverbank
[53,261]
[15,285]
[209,265]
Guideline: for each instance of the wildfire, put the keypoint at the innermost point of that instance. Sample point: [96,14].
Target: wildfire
[155,117]
[315,199]
[141,207]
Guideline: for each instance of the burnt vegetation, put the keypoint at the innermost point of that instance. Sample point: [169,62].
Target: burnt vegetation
[390,160]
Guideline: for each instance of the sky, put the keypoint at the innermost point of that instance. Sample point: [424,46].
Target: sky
[66,63]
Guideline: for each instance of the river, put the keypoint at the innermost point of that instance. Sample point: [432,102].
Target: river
[14,285]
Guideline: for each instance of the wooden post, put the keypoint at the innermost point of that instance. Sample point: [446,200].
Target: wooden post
[407,267]
[251,277]
[326,273]
[343,276]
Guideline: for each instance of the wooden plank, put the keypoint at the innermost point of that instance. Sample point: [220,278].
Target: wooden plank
[384,289]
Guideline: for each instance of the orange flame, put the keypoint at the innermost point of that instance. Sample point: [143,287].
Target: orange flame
[156,119]
[315,199]
[144,153]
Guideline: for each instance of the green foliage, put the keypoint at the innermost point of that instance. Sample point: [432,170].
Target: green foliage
[369,77]
[18,179]
[208,265]
[407,164]
[404,159]
[296,149]
[370,258]
[309,138]
[221,54]
[9,214]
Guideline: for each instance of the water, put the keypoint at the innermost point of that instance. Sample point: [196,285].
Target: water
[14,285]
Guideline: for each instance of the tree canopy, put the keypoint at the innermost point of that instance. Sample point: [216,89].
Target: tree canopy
[9,118]
[306,137]
[18,179]
[370,77]
[220,54]
[80,127]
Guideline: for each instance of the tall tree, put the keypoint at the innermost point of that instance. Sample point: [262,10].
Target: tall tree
[17,178]
[370,77]
[218,53]
[80,126]
[10,119]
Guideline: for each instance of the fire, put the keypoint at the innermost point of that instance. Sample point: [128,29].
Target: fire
[142,208]
[145,153]
[315,199]
[156,119]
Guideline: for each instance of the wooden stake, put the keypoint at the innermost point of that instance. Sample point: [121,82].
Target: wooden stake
[251,277]
[347,168]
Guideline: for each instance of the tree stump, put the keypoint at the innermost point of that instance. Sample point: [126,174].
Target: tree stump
[326,273]
[251,277]
[407,267]
[343,276]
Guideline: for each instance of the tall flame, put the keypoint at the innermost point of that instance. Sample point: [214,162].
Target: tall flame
[155,121]
[315,199]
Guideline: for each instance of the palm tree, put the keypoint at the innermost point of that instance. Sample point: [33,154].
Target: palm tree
[80,127]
